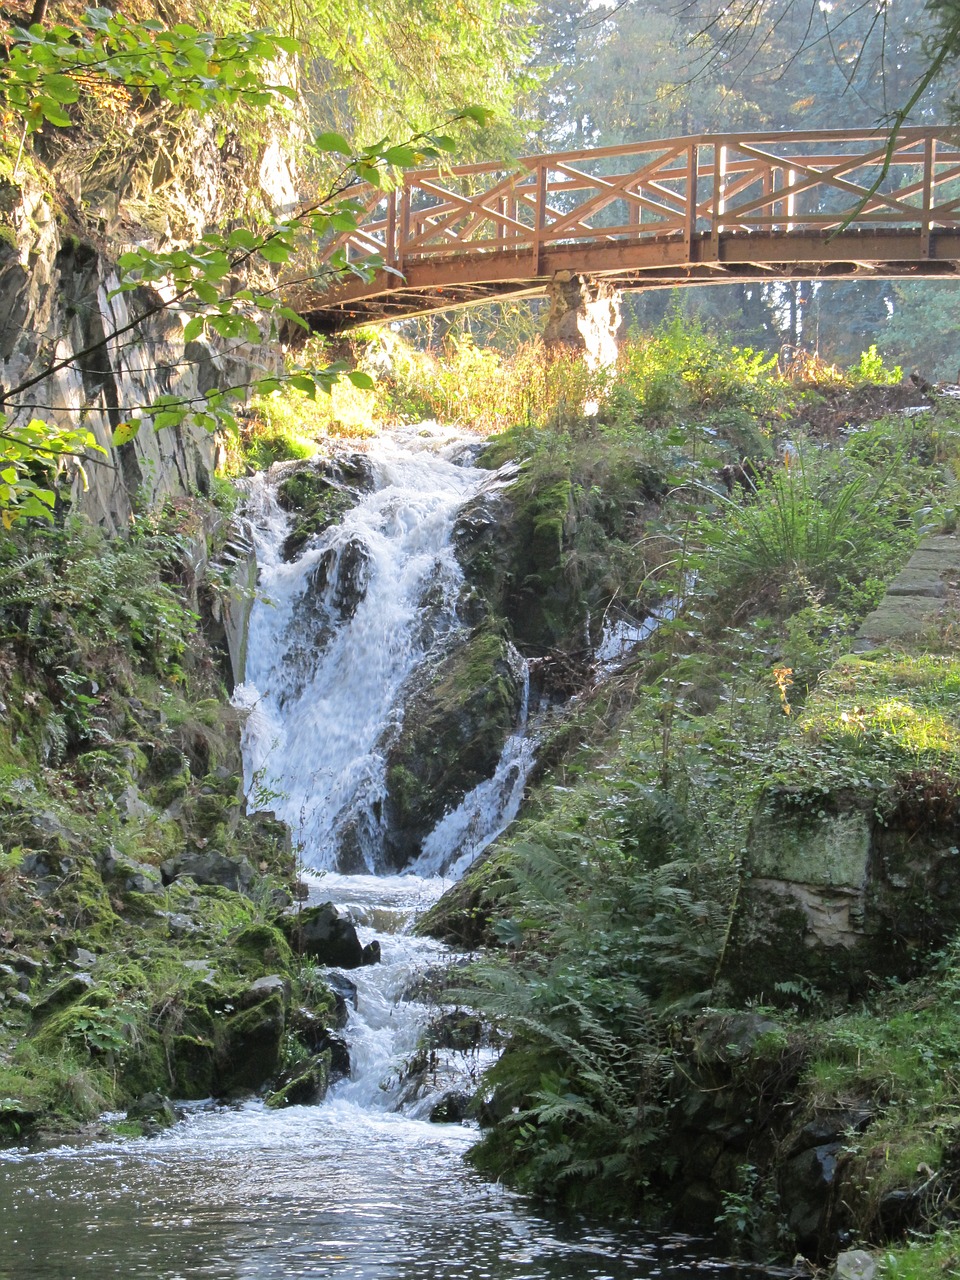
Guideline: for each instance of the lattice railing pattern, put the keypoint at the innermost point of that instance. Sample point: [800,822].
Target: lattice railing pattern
[678,189]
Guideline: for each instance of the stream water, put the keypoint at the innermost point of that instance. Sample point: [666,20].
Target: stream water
[363,1185]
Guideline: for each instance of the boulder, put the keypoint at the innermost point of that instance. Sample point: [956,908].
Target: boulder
[302,1085]
[325,934]
[210,867]
[66,992]
[456,718]
[452,1108]
[251,1042]
[153,1112]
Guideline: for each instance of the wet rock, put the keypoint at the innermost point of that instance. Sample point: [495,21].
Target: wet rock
[370,953]
[319,494]
[210,868]
[325,934]
[352,575]
[344,994]
[316,1037]
[456,719]
[302,1085]
[457,1030]
[451,1109]
[153,1112]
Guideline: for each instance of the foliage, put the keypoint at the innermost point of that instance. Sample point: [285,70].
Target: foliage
[46,69]
[870,368]
[613,899]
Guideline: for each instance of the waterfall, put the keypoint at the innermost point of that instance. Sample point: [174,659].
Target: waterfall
[335,635]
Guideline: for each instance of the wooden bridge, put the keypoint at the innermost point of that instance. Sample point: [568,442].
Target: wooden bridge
[694,210]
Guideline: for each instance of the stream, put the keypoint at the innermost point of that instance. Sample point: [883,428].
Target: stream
[363,1185]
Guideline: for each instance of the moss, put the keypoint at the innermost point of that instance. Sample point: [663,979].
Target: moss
[249,1045]
[264,944]
[454,728]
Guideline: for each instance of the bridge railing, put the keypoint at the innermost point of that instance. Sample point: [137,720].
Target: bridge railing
[693,189]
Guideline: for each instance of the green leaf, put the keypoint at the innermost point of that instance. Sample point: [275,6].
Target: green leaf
[303,382]
[206,292]
[275,250]
[341,221]
[52,112]
[61,87]
[479,115]
[125,432]
[242,238]
[360,379]
[193,329]
[294,317]
[402,156]
[333,142]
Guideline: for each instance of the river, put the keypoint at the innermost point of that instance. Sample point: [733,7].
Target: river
[364,1185]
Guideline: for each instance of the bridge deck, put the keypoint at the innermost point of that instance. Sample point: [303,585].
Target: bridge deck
[679,211]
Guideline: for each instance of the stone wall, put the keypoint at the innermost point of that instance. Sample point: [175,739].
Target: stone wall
[851,884]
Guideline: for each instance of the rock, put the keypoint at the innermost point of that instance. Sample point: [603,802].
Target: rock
[84,959]
[326,935]
[315,1037]
[250,1045]
[733,1037]
[806,1184]
[370,953]
[132,876]
[319,494]
[855,1264]
[456,1030]
[451,1109]
[192,1060]
[265,944]
[263,989]
[302,1085]
[178,924]
[210,868]
[153,1112]
[343,986]
[64,993]
[456,717]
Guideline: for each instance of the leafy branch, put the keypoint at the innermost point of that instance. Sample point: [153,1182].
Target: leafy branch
[44,71]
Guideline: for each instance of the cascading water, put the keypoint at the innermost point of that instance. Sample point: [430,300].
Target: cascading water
[332,641]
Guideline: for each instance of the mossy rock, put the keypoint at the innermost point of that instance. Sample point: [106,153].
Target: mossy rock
[462,917]
[303,1085]
[318,502]
[250,1044]
[265,945]
[454,728]
[192,1065]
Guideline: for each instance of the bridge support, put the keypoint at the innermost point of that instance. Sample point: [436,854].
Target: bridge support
[584,316]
